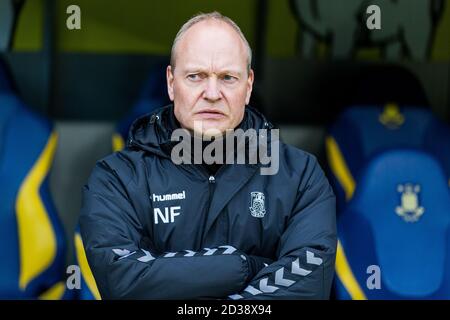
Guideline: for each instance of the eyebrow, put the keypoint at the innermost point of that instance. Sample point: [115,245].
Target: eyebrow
[193,68]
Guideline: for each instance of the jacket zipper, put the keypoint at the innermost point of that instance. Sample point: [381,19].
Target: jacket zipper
[211,187]
[211,184]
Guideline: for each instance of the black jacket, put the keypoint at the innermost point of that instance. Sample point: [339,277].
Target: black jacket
[156,230]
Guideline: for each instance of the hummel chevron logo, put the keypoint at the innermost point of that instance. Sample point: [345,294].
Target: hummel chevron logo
[279,280]
[148,257]
[189,253]
[264,287]
[310,259]
[205,252]
[252,290]
[209,251]
[313,260]
[296,269]
[229,249]
[124,253]
[170,254]
[121,252]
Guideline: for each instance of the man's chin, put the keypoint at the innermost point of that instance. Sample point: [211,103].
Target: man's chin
[210,128]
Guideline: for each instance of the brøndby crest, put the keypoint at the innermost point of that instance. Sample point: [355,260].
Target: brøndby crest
[257,204]
[410,209]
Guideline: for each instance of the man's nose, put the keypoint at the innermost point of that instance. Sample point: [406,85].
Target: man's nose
[212,91]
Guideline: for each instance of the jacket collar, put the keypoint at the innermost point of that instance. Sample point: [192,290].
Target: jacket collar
[152,132]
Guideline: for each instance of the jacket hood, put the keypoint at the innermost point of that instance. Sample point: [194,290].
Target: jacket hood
[152,132]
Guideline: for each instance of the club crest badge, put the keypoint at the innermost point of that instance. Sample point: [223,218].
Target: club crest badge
[257,204]
[391,117]
[409,209]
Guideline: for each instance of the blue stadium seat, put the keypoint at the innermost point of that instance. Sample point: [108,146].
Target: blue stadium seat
[361,132]
[153,96]
[390,169]
[32,257]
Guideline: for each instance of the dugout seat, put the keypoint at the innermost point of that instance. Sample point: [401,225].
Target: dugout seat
[390,169]
[153,95]
[32,258]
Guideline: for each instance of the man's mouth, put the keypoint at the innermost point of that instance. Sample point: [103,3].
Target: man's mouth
[210,114]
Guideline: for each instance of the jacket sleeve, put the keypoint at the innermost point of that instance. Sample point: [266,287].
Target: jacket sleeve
[125,265]
[307,248]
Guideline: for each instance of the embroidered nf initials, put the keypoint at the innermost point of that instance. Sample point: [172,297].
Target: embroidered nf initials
[168,216]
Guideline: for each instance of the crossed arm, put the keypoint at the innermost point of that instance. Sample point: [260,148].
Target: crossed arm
[125,268]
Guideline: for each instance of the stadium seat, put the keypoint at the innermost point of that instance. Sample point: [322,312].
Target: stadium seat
[361,132]
[32,258]
[390,168]
[153,95]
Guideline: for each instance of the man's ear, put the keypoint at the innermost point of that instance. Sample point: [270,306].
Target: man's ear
[169,77]
[251,77]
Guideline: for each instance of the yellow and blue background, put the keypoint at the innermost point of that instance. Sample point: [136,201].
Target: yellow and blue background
[81,87]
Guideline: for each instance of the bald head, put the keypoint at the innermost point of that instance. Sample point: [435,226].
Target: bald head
[210,80]
[206,20]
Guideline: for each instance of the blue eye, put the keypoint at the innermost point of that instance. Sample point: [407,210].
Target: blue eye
[229,79]
[193,77]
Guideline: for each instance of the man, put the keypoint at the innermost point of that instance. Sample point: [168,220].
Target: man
[156,229]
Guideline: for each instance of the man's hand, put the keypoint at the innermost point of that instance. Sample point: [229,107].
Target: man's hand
[255,264]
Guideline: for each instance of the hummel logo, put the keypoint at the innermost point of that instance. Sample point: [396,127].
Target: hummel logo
[167,197]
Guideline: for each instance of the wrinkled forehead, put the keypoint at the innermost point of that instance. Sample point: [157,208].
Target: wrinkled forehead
[211,44]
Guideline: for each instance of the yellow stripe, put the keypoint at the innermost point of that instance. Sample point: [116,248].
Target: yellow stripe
[339,167]
[84,266]
[37,240]
[345,274]
[54,293]
[117,142]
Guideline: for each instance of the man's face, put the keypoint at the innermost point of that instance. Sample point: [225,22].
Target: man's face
[210,82]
